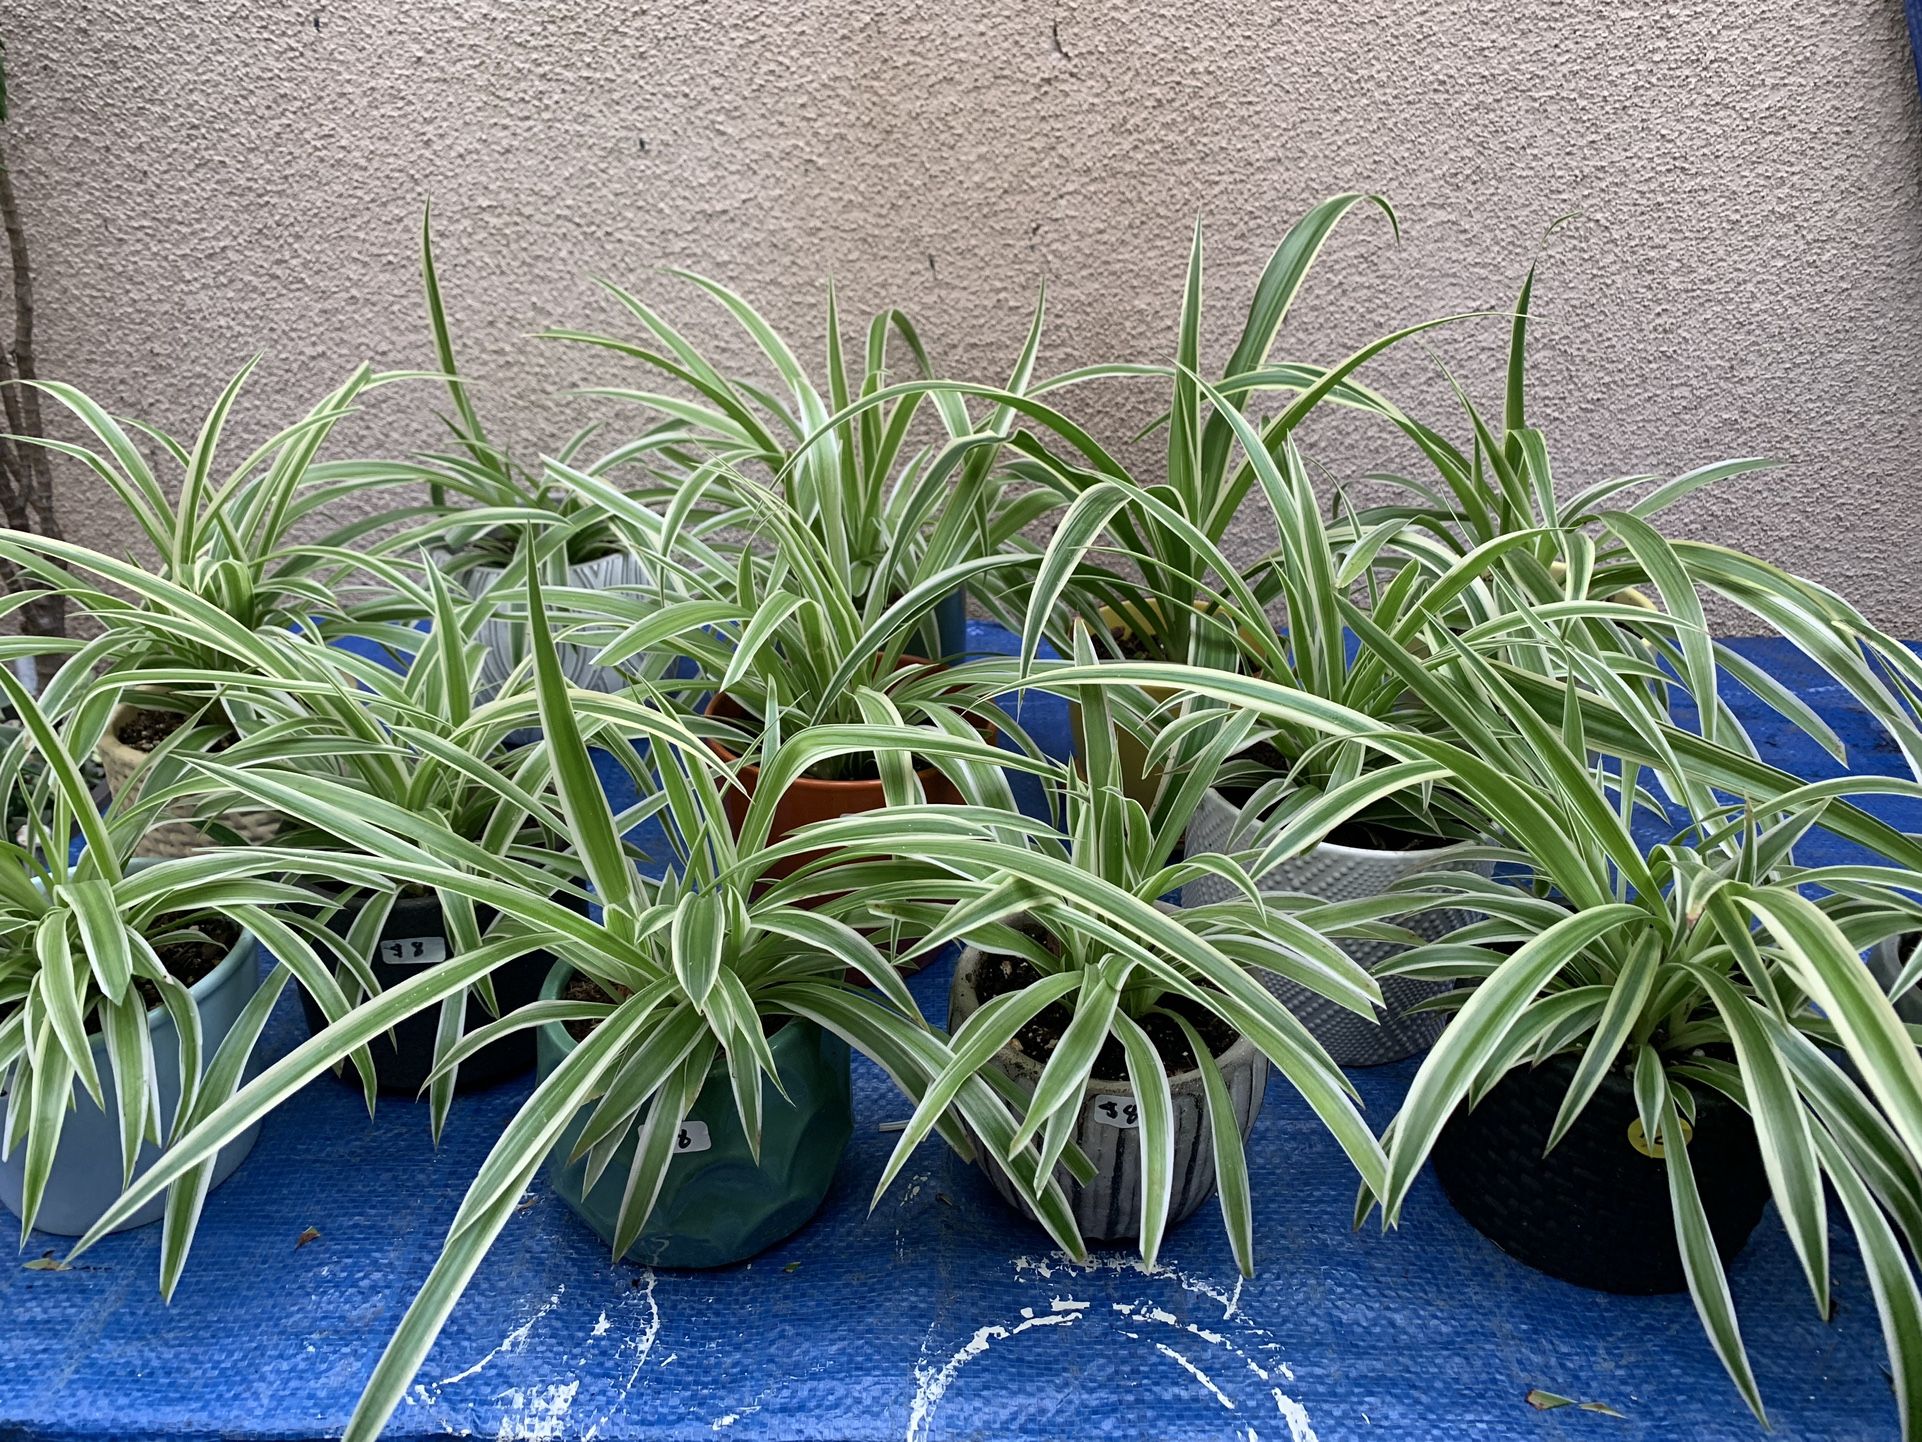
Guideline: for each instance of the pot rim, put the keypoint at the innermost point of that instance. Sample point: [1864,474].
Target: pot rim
[1242,1050]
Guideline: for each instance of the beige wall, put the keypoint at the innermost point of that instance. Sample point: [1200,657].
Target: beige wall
[207,180]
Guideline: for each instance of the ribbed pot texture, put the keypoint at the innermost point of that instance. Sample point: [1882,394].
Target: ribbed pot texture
[506,638]
[1108,1208]
[119,762]
[1595,1211]
[1342,873]
[717,1205]
[1886,960]
[415,936]
[85,1179]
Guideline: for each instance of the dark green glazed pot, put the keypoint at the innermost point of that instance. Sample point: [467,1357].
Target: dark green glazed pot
[717,1205]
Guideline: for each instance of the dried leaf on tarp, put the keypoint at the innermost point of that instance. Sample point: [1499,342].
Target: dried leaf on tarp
[47,1262]
[312,1234]
[792,1267]
[1548,1401]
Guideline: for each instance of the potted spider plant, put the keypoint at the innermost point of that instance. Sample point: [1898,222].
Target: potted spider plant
[487,518]
[1646,1048]
[1138,559]
[784,652]
[234,591]
[417,740]
[1134,1033]
[699,997]
[130,994]
[886,511]
[1329,815]
[1598,563]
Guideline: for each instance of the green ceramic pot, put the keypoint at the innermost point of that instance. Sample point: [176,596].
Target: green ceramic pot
[717,1205]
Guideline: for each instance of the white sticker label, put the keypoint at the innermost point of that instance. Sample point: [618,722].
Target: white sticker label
[1117,1111]
[693,1137]
[413,950]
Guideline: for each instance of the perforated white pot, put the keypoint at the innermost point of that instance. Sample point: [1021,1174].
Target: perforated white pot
[1343,873]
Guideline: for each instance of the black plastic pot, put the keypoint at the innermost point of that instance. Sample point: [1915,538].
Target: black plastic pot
[1595,1211]
[415,936]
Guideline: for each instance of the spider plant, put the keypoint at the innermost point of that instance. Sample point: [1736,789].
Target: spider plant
[1169,529]
[480,501]
[1703,966]
[83,980]
[775,630]
[1630,594]
[885,509]
[231,575]
[416,739]
[1081,906]
[700,960]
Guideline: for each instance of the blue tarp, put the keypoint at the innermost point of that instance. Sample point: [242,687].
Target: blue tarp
[938,1315]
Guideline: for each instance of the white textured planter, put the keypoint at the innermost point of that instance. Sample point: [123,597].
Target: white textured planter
[1108,1208]
[506,637]
[120,762]
[1343,873]
[85,1179]
[1886,959]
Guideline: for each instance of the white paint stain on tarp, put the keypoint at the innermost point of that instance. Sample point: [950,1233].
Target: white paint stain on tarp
[1235,1339]
[538,1414]
[512,1342]
[932,1383]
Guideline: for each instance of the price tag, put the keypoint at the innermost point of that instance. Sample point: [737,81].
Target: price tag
[1117,1111]
[693,1138]
[413,950]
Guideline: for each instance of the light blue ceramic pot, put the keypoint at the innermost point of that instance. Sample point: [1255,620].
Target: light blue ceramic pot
[85,1179]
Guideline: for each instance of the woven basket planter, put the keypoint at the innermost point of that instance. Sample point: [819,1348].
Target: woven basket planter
[120,762]
[1108,1208]
[1343,873]
[1595,1211]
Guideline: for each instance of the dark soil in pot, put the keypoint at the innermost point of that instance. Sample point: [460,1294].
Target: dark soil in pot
[188,961]
[999,975]
[146,727]
[416,936]
[1595,1211]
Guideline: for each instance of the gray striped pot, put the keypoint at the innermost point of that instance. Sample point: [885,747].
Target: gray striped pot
[1886,959]
[1343,873]
[506,636]
[1108,1208]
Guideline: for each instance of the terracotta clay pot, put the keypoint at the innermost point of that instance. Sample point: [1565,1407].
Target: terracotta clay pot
[808,799]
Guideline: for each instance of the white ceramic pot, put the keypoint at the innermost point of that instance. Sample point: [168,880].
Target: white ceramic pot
[1108,1208]
[1343,873]
[85,1179]
[506,637]
[120,762]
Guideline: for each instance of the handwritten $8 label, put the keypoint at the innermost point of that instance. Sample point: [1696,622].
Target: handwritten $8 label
[1117,1111]
[692,1137]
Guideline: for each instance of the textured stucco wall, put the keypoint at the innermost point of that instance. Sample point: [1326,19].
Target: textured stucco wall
[205,181]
